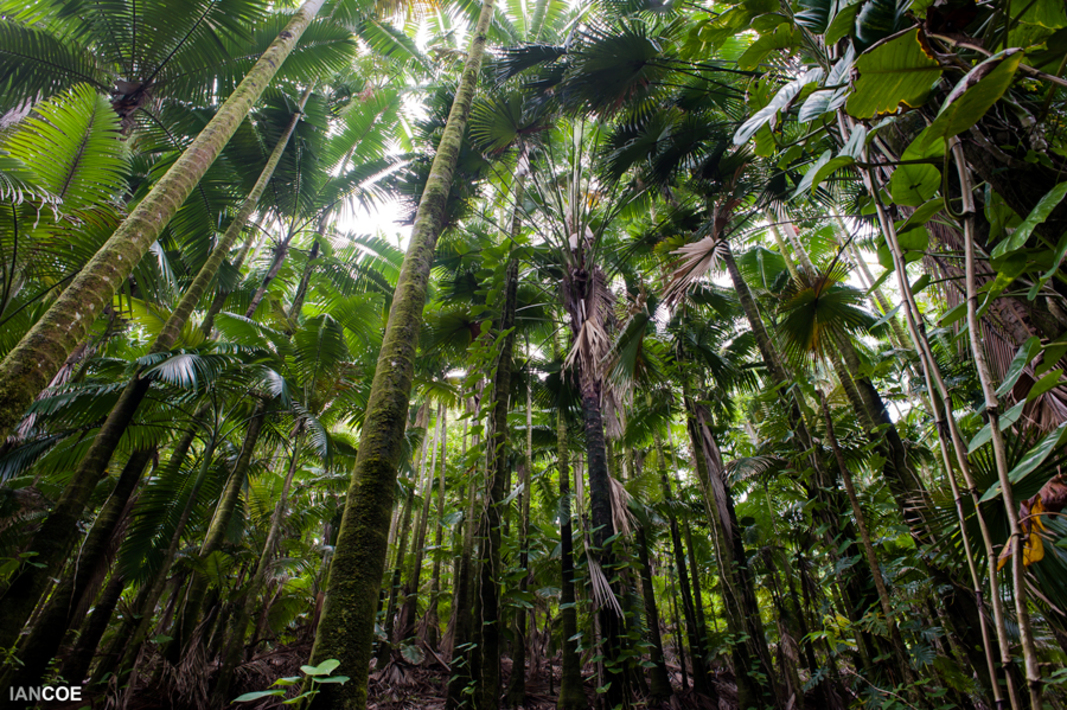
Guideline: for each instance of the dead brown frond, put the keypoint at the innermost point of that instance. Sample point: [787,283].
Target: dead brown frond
[602,593]
[694,261]
[622,518]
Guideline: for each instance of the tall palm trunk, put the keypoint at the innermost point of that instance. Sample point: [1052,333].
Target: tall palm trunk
[660,685]
[38,356]
[346,628]
[216,532]
[433,623]
[571,695]
[490,573]
[857,600]
[158,584]
[868,547]
[697,645]
[609,616]
[404,522]
[463,656]
[409,611]
[235,646]
[755,674]
[59,530]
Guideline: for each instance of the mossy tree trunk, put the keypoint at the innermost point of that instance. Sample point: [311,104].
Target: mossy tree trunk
[697,646]
[409,611]
[346,629]
[660,685]
[517,684]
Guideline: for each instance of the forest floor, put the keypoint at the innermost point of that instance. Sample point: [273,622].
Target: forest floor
[403,686]
[399,686]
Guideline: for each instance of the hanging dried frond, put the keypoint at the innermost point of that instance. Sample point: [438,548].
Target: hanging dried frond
[694,261]
[602,594]
[622,519]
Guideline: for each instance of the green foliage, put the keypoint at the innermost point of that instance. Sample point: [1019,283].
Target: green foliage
[313,677]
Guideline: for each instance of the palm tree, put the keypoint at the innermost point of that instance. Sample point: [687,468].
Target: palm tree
[28,367]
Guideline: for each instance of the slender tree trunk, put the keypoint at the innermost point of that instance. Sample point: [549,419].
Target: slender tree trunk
[697,648]
[216,533]
[868,549]
[571,695]
[234,649]
[965,607]
[346,629]
[432,622]
[463,655]
[517,684]
[409,611]
[488,691]
[76,666]
[1000,456]
[385,645]
[31,364]
[659,681]
[158,585]
[755,674]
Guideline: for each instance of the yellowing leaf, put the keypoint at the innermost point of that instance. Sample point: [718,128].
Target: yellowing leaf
[897,72]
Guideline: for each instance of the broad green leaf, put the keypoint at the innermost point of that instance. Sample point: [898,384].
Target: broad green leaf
[1034,458]
[340,679]
[879,18]
[917,239]
[921,215]
[783,37]
[412,654]
[781,101]
[1057,259]
[833,96]
[954,314]
[842,24]
[249,697]
[897,72]
[1037,215]
[325,668]
[912,185]
[1022,358]
[807,181]
[1052,354]
[287,681]
[923,147]
[1006,421]
[975,94]
[920,283]
[1043,385]
[814,14]
[1050,14]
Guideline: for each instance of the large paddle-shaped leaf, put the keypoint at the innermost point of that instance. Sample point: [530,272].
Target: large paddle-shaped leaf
[900,71]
